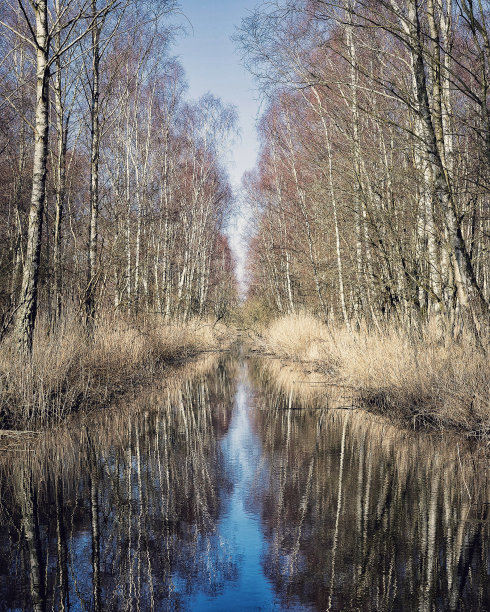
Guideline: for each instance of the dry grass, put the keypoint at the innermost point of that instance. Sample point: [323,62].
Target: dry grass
[298,337]
[419,380]
[69,371]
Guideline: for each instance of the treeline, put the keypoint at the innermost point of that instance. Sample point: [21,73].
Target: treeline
[113,193]
[372,188]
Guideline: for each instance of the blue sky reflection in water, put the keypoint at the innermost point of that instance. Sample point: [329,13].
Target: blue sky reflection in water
[229,494]
[240,525]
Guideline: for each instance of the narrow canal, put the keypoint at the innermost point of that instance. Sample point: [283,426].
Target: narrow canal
[227,492]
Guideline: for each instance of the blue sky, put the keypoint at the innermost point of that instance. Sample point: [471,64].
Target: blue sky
[212,64]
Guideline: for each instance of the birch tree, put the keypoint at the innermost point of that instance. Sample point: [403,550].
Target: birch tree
[393,93]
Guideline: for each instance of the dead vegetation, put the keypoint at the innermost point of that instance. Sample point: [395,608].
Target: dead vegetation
[419,380]
[69,371]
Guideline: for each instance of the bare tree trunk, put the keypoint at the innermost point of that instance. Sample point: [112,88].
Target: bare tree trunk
[337,234]
[17,254]
[94,521]
[94,173]
[30,527]
[462,269]
[137,255]
[141,185]
[28,301]
[289,286]
[60,184]
[273,274]
[62,553]
[129,280]
[356,147]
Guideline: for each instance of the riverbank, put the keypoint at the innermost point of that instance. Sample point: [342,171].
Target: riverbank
[69,371]
[419,382]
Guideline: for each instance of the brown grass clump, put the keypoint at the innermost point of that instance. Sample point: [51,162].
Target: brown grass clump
[68,370]
[423,381]
[298,337]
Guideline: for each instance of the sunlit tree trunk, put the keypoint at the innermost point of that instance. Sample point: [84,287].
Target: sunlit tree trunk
[17,246]
[359,306]
[337,232]
[28,299]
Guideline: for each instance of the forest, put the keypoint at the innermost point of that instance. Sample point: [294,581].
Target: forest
[369,232]
[113,191]
[372,182]
[114,197]
[369,255]
[293,418]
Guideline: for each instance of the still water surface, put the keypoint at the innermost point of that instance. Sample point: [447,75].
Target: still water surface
[223,493]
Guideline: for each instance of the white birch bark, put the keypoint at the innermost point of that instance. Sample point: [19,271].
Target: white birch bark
[28,299]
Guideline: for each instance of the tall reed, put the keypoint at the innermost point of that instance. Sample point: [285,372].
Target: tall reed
[418,378]
[69,370]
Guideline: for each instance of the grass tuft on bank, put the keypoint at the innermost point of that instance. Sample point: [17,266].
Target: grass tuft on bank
[69,371]
[413,378]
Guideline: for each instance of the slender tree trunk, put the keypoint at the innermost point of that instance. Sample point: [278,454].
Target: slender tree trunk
[64,591]
[94,173]
[17,250]
[141,179]
[129,273]
[28,300]
[61,133]
[30,525]
[284,234]
[359,305]
[273,273]
[337,233]
[94,521]
[137,255]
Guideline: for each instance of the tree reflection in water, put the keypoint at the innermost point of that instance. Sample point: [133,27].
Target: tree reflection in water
[361,516]
[129,509]
[120,513]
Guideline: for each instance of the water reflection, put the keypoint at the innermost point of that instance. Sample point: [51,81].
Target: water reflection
[122,514]
[234,489]
[361,516]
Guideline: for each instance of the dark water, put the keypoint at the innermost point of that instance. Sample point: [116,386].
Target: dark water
[224,494]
